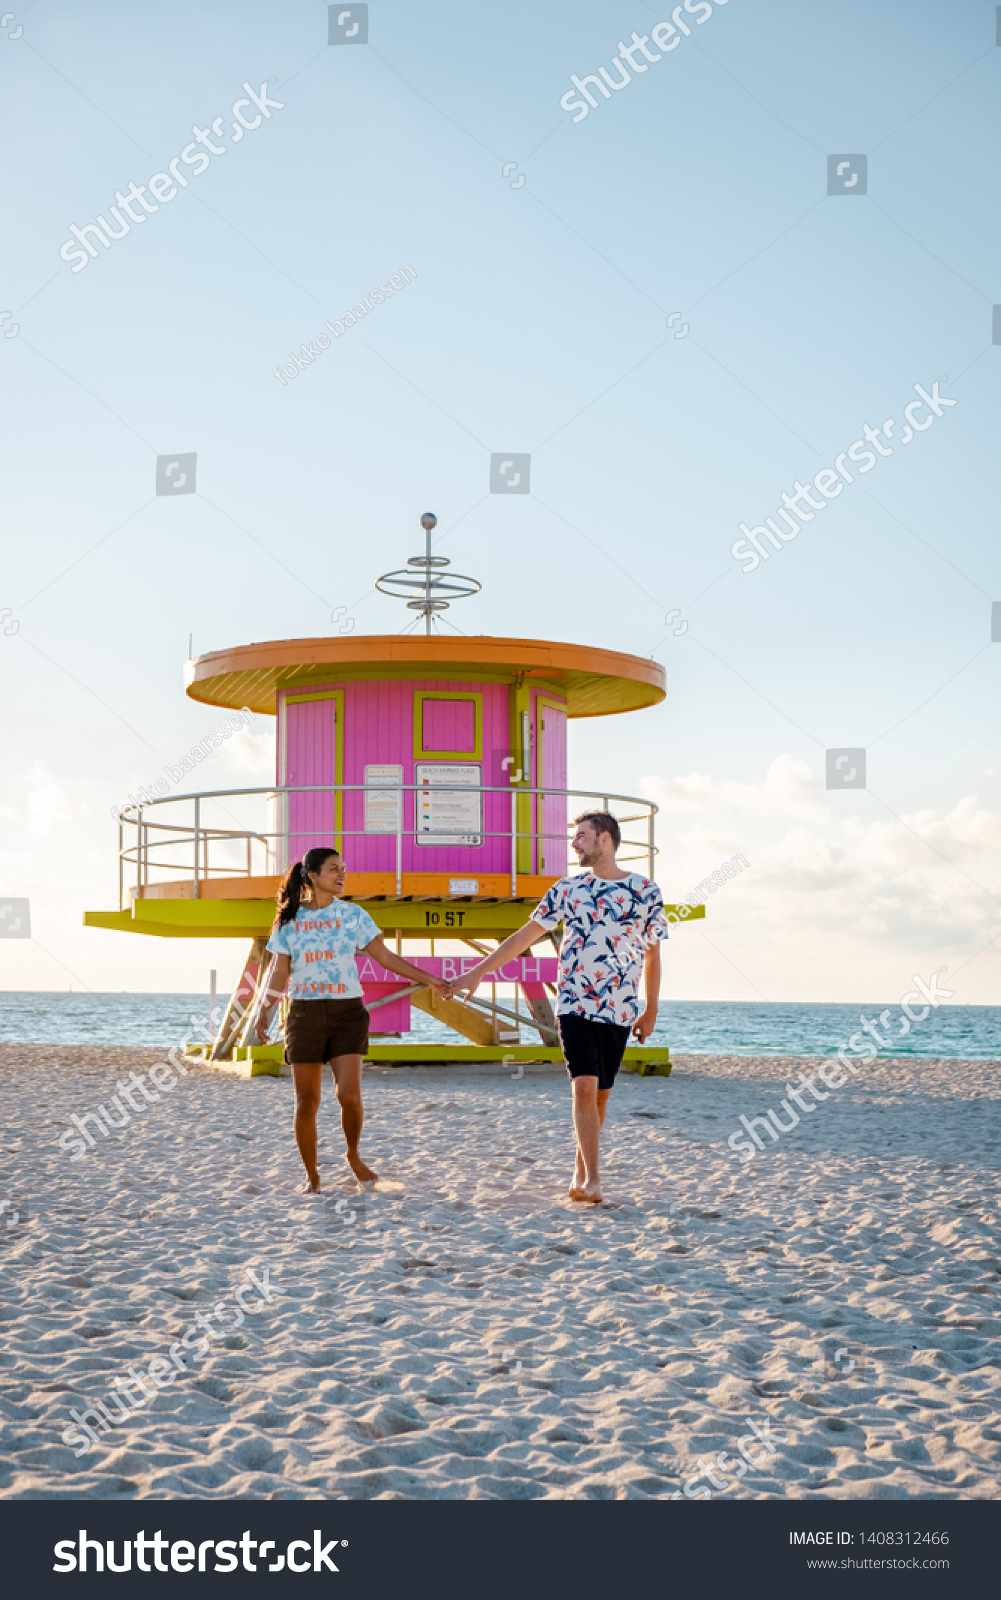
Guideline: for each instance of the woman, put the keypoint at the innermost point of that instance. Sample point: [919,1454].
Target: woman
[314,941]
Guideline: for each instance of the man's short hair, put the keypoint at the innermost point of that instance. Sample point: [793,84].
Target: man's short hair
[602,822]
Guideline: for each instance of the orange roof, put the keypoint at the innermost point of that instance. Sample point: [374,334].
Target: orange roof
[595,682]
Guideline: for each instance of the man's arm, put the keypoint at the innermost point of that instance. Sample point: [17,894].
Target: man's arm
[388,958]
[644,1025]
[514,945]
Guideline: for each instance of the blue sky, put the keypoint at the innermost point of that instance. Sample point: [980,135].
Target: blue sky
[537,322]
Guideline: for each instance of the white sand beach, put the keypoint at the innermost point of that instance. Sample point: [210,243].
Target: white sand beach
[464,1331]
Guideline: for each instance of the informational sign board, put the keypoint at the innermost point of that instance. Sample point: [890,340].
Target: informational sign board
[383,807]
[449,803]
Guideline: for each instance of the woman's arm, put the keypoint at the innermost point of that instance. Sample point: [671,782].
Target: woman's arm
[389,959]
[274,988]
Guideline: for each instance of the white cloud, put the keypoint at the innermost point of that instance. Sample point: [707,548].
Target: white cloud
[833,902]
[790,786]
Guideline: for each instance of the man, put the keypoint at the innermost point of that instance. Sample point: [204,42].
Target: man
[613,923]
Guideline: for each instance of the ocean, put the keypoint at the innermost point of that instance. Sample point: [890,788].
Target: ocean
[688,1027]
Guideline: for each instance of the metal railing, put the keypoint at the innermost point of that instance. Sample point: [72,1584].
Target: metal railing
[194,837]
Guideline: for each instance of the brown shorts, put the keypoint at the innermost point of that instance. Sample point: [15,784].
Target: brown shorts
[319,1030]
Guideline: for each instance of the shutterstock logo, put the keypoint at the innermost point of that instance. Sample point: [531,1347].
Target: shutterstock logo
[176,474]
[347,24]
[846,174]
[72,1554]
[510,474]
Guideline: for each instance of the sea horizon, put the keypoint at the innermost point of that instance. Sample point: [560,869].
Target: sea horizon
[155,1019]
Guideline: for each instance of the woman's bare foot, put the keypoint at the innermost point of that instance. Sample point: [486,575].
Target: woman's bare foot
[587,1193]
[363,1173]
[312,1185]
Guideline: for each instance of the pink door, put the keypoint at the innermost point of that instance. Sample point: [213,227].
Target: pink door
[552,771]
[310,754]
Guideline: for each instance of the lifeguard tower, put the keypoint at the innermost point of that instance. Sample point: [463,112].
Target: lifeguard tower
[438,767]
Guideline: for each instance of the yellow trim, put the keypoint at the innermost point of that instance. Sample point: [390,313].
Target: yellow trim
[420,754]
[337,696]
[555,705]
[521,706]
[243,919]
[596,682]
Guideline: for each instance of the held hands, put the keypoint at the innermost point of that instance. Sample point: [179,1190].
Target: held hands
[466,985]
[644,1025]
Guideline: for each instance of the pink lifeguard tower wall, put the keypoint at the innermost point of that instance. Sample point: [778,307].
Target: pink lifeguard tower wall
[378,727]
[329,733]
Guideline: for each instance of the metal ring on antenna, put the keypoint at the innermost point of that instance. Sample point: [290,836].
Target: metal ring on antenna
[433,582]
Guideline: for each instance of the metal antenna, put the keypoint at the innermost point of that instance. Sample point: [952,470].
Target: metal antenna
[401,583]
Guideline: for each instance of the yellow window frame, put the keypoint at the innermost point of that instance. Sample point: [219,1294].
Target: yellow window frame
[420,754]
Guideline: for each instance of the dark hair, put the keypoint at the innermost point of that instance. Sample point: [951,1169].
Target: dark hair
[296,881]
[602,822]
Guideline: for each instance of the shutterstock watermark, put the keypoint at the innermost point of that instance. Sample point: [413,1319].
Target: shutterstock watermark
[165,186]
[829,482]
[723,1463]
[162,1073]
[513,1359]
[15,919]
[307,354]
[836,1076]
[666,37]
[158,790]
[163,1371]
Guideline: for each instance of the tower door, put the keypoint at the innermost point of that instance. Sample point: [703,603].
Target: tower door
[552,774]
[310,748]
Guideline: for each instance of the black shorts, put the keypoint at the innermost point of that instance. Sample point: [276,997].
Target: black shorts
[319,1030]
[592,1049]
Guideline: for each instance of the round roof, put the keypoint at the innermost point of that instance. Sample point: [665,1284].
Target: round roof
[595,682]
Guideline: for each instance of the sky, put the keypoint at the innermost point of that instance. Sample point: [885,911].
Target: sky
[661,302]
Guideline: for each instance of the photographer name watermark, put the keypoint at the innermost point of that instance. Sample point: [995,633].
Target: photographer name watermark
[307,353]
[161,788]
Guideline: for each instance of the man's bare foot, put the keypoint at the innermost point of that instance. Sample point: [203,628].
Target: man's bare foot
[579,1174]
[587,1193]
[363,1173]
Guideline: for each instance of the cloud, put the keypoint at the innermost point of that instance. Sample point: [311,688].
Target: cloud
[789,787]
[829,891]
[251,751]
[37,804]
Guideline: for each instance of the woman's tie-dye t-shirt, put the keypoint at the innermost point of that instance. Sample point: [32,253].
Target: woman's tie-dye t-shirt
[322,945]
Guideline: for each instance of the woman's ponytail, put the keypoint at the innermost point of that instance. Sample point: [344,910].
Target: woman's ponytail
[296,881]
[289,896]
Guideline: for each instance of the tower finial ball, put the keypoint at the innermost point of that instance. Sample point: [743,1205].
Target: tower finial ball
[429,521]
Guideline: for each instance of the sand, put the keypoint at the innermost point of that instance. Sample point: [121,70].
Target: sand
[464,1332]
